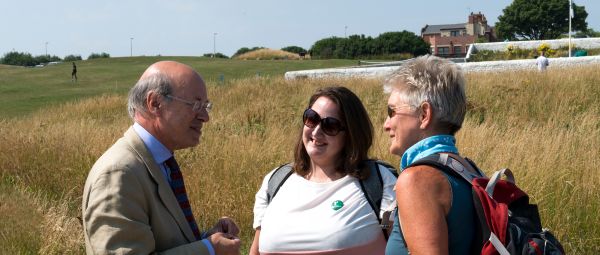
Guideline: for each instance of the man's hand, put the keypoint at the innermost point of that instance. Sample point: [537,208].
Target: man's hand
[226,226]
[225,244]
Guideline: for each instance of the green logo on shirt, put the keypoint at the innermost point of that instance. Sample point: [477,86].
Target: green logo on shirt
[336,205]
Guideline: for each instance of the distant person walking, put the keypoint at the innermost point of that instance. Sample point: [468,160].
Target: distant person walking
[74,73]
[542,62]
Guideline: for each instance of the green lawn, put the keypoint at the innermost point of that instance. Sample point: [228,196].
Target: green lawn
[24,90]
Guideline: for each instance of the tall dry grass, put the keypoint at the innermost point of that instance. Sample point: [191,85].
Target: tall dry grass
[544,126]
[268,54]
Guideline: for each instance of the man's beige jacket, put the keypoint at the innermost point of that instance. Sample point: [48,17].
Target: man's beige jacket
[129,208]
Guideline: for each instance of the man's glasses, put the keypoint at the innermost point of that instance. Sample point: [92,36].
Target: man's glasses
[392,110]
[197,106]
[330,126]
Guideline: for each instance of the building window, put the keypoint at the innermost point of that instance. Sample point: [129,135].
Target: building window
[454,33]
[457,50]
[443,50]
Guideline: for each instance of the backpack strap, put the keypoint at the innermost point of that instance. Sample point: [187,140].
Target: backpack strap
[463,167]
[467,170]
[279,176]
[372,187]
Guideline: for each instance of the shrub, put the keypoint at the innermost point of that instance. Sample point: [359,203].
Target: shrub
[544,47]
[268,54]
[71,58]
[41,59]
[386,45]
[99,55]
[217,55]
[19,59]
[245,50]
[294,49]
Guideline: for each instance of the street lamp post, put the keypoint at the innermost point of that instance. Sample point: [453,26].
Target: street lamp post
[131,47]
[46,48]
[570,17]
[214,44]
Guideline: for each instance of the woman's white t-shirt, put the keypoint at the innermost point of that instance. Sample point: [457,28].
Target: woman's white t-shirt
[302,217]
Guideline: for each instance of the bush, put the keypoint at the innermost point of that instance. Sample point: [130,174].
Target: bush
[512,52]
[325,48]
[217,55]
[18,59]
[245,50]
[42,59]
[386,45]
[268,54]
[71,58]
[99,55]
[544,47]
[294,49]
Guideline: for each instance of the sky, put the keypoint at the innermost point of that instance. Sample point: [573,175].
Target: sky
[196,27]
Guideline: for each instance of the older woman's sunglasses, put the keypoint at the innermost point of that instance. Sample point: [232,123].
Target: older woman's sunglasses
[330,126]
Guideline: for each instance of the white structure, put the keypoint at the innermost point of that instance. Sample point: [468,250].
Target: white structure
[486,66]
[582,43]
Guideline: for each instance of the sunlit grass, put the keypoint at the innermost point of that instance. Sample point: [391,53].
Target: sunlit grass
[270,54]
[544,126]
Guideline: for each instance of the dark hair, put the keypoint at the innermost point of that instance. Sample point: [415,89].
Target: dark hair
[358,138]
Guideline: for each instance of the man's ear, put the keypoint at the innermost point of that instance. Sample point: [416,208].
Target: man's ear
[153,103]
[426,115]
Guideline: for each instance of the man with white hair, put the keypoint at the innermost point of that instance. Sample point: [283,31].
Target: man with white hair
[134,199]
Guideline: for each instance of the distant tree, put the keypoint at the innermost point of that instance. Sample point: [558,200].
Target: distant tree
[41,59]
[293,49]
[217,55]
[99,55]
[386,45]
[539,19]
[400,42]
[482,39]
[325,48]
[590,32]
[71,58]
[245,50]
[19,59]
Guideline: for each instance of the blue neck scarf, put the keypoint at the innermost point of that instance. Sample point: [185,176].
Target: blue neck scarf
[430,145]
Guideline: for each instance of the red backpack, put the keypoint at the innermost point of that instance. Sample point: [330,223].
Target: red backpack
[507,223]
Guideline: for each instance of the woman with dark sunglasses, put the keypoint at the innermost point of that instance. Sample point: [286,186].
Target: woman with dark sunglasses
[320,208]
[426,107]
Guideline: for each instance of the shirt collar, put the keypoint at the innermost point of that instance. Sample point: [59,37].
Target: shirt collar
[430,145]
[159,152]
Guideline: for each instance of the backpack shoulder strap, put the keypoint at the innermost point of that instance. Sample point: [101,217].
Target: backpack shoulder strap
[372,187]
[452,164]
[467,170]
[279,176]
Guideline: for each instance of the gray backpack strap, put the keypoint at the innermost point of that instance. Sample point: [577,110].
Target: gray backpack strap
[277,179]
[452,164]
[372,187]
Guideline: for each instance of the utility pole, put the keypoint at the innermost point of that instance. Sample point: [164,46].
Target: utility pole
[345,30]
[131,47]
[214,44]
[570,17]
[46,48]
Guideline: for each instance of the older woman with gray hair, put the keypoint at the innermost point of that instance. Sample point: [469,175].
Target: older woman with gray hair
[426,107]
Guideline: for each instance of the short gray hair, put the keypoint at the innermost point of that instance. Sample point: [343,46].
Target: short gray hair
[436,81]
[158,83]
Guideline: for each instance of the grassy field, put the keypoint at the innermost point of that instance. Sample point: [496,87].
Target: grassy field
[23,90]
[544,126]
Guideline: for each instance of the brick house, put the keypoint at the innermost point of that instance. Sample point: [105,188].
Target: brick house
[453,40]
